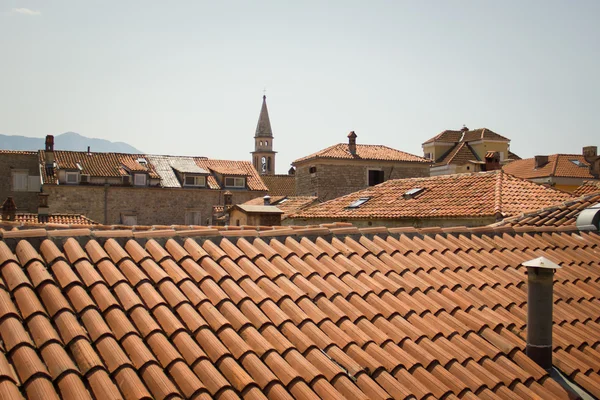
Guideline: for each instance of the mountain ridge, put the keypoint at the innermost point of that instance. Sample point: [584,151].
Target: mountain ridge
[65,141]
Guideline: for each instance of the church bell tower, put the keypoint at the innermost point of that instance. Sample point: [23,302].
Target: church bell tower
[263,156]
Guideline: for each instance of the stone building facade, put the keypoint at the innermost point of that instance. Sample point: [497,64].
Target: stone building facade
[348,167]
[141,206]
[20,178]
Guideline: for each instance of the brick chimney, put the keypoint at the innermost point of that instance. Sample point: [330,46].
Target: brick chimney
[540,161]
[267,200]
[49,150]
[492,161]
[352,143]
[540,278]
[9,209]
[590,153]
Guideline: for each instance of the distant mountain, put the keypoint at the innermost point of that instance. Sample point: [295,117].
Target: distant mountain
[66,141]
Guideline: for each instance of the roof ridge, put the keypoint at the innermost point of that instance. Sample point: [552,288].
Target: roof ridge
[498,192]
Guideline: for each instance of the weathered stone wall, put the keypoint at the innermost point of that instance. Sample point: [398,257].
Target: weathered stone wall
[337,179]
[25,200]
[414,222]
[151,206]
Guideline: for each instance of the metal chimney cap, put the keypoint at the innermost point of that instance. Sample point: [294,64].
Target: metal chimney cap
[541,262]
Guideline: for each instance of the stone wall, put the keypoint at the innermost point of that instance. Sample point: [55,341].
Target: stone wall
[9,162]
[151,206]
[414,222]
[338,178]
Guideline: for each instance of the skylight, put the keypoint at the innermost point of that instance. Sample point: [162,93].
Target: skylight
[413,192]
[142,161]
[578,163]
[359,202]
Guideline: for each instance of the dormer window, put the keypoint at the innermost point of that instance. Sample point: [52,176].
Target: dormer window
[359,202]
[194,180]
[72,177]
[139,179]
[235,182]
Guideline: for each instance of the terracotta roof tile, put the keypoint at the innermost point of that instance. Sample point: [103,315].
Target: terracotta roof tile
[363,152]
[561,214]
[460,154]
[588,187]
[461,195]
[450,136]
[558,165]
[280,185]
[423,313]
[286,204]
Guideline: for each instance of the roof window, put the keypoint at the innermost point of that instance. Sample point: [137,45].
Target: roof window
[413,192]
[359,202]
[142,161]
[578,163]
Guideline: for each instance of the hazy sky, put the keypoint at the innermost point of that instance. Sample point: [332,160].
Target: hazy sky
[187,77]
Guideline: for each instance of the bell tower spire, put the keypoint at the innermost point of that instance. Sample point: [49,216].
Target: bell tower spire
[263,156]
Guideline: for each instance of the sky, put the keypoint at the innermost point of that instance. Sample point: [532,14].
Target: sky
[187,77]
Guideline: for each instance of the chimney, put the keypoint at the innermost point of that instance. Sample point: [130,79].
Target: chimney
[590,153]
[43,208]
[89,153]
[352,143]
[540,161]
[49,150]
[492,161]
[227,198]
[292,171]
[464,129]
[540,278]
[267,200]
[9,209]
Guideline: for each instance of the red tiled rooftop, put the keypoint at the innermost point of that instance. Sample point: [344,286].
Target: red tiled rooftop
[563,214]
[286,204]
[462,195]
[587,187]
[66,219]
[280,185]
[309,314]
[363,152]
[559,165]
[450,136]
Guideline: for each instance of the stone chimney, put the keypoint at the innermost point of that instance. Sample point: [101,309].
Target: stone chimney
[352,143]
[540,278]
[590,153]
[492,161]
[267,200]
[464,129]
[9,209]
[49,150]
[540,161]
[43,208]
[227,198]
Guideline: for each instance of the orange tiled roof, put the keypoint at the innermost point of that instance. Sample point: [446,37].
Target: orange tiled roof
[450,136]
[587,187]
[24,152]
[559,165]
[563,214]
[54,219]
[460,154]
[329,315]
[280,185]
[286,204]
[94,164]
[363,152]
[462,195]
[239,168]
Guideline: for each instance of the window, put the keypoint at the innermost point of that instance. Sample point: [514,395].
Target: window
[193,217]
[427,156]
[359,202]
[375,177]
[578,163]
[72,177]
[194,180]
[19,181]
[139,179]
[235,182]
[413,192]
[312,170]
